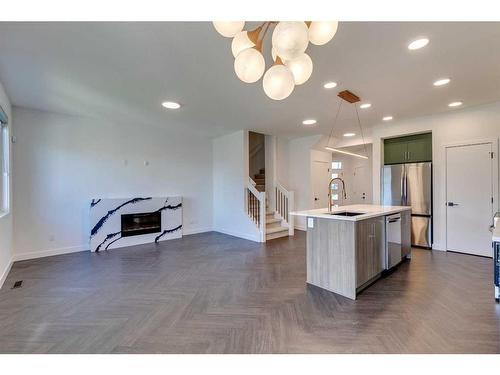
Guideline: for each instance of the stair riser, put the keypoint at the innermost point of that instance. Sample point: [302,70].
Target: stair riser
[270,221]
[272,236]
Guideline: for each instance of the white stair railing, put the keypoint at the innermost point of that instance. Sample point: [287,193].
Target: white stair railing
[284,200]
[255,206]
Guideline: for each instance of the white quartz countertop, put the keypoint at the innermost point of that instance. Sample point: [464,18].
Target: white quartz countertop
[368,210]
[496,234]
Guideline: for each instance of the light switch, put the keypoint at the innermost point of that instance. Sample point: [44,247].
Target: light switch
[310,222]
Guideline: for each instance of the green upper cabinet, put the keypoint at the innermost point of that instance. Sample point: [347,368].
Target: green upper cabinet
[394,152]
[410,149]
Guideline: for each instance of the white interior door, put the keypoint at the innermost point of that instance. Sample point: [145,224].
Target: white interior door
[469,193]
[320,179]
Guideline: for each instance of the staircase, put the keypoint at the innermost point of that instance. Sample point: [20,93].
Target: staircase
[278,223]
[274,227]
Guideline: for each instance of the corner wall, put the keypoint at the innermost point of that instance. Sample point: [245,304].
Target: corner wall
[6,221]
[61,162]
[230,178]
[469,124]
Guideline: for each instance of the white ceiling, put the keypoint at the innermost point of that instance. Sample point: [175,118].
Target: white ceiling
[123,71]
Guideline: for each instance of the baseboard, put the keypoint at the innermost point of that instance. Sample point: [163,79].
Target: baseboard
[300,227]
[438,247]
[75,249]
[238,234]
[5,273]
[48,253]
[196,231]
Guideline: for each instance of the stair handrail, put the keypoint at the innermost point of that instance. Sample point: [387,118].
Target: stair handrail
[284,203]
[255,206]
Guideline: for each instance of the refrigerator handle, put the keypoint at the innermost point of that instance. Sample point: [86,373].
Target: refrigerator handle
[405,188]
[403,179]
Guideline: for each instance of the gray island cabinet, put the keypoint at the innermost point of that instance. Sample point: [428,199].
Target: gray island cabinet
[347,249]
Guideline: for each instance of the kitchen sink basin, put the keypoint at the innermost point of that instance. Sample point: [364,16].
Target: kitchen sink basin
[346,213]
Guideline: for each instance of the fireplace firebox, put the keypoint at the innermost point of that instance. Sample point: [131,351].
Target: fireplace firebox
[141,223]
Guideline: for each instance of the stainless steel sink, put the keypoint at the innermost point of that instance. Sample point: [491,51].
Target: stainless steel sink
[346,213]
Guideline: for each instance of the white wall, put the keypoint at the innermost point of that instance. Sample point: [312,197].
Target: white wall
[62,162]
[468,124]
[230,178]
[282,147]
[6,221]
[351,165]
[299,174]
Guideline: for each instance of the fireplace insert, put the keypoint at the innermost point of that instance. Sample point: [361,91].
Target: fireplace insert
[141,223]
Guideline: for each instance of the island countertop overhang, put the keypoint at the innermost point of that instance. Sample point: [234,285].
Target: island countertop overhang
[368,210]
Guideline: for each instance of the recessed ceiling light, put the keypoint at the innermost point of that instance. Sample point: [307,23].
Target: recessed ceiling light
[171,105]
[455,104]
[417,44]
[349,134]
[365,105]
[309,122]
[442,82]
[330,85]
[387,118]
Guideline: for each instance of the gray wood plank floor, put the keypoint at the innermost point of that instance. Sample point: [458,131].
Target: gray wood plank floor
[212,293]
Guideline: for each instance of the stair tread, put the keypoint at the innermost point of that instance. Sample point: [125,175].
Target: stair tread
[276,235]
[277,229]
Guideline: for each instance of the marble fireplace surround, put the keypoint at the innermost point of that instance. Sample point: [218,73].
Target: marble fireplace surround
[105,220]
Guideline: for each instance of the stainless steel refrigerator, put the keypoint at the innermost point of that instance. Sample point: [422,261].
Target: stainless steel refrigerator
[411,185]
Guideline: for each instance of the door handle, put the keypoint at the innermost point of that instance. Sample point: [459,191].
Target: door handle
[452,204]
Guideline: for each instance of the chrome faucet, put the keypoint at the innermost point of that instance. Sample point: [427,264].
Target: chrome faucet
[330,205]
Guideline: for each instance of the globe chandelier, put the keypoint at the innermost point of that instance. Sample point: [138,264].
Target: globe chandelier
[290,39]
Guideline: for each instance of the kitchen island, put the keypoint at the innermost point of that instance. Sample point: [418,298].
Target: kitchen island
[349,247]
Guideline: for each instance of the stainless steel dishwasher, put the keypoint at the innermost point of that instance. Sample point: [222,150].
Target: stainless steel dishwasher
[392,240]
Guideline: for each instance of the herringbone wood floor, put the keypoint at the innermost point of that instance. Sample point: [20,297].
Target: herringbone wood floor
[212,293]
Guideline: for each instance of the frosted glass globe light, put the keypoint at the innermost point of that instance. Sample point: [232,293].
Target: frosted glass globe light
[290,39]
[301,68]
[228,28]
[278,82]
[321,32]
[241,42]
[249,65]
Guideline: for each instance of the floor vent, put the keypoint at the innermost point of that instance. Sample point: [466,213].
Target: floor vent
[17,284]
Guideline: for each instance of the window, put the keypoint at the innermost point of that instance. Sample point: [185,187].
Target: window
[4,164]
[335,186]
[336,165]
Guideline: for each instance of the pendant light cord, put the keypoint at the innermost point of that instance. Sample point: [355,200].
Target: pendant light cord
[360,129]
[334,122]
